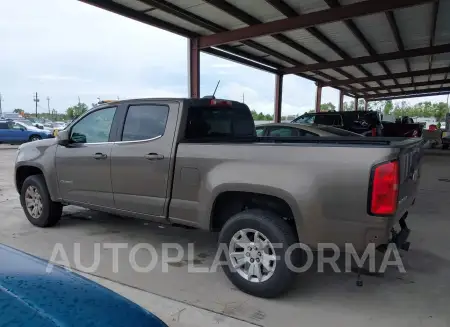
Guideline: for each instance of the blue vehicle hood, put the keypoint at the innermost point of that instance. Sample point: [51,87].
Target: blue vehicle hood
[29,296]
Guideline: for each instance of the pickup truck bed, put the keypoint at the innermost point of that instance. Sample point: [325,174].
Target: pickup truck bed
[198,162]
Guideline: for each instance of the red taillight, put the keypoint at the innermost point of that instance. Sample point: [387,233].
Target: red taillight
[385,189]
[215,102]
[374,132]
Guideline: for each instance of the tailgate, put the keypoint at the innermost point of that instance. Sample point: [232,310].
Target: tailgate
[410,159]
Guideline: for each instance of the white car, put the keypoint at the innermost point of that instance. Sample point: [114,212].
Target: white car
[27,125]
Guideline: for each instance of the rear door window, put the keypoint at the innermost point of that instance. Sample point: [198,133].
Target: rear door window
[145,122]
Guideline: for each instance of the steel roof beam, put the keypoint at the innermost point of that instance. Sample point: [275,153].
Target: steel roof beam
[360,36]
[307,20]
[444,48]
[390,87]
[213,27]
[398,38]
[140,16]
[386,77]
[434,16]
[289,12]
[410,94]
[250,20]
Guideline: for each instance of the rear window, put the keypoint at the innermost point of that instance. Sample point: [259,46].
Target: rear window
[209,121]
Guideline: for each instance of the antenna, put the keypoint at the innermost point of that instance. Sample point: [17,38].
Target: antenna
[216,88]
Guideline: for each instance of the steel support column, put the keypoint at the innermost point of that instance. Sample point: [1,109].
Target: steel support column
[356,103]
[318,97]
[278,97]
[366,105]
[341,101]
[194,68]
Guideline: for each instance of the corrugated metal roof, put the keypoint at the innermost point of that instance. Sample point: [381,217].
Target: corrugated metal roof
[443,23]
[211,13]
[134,4]
[186,4]
[273,44]
[374,68]
[178,21]
[341,35]
[377,31]
[353,71]
[304,38]
[414,24]
[396,66]
[419,63]
[437,77]
[420,79]
[265,13]
[307,6]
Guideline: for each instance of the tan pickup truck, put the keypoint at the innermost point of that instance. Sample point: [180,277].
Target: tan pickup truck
[199,163]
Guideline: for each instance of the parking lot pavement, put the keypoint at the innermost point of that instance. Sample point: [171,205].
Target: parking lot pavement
[418,298]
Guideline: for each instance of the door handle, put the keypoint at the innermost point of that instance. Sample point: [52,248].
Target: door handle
[153,156]
[99,156]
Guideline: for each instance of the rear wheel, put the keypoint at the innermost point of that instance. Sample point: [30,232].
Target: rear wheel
[445,146]
[257,242]
[36,202]
[35,138]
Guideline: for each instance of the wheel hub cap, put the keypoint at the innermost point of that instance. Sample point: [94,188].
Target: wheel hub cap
[252,255]
[33,202]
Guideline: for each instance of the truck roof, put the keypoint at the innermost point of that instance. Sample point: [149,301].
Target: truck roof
[195,101]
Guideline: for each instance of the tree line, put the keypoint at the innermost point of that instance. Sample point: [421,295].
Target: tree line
[71,113]
[425,109]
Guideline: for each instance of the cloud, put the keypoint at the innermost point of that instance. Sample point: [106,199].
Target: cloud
[64,49]
[57,78]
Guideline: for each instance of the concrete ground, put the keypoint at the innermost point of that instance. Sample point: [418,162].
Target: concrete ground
[420,297]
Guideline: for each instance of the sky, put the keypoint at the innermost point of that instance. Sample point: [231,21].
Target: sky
[65,49]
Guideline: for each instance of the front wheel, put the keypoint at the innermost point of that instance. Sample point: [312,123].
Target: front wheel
[39,208]
[256,243]
[35,138]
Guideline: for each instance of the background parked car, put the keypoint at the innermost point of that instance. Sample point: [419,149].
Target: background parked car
[296,130]
[14,133]
[35,297]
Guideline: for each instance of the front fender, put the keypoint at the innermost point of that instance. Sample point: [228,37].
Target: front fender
[40,155]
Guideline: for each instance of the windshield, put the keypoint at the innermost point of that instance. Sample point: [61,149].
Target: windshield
[305,119]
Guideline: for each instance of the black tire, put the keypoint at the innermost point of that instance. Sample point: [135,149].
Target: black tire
[35,138]
[51,212]
[445,146]
[277,230]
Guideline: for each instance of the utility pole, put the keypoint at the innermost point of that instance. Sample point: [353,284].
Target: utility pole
[48,105]
[1,99]
[79,101]
[36,99]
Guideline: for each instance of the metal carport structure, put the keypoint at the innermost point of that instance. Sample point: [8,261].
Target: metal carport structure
[370,49]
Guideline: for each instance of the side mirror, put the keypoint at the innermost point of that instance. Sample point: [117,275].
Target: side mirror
[63,138]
